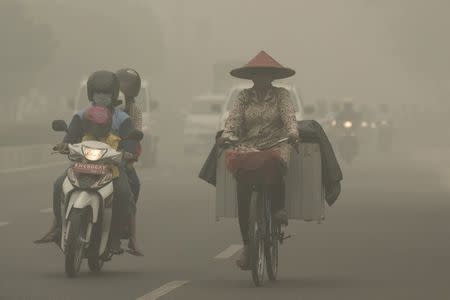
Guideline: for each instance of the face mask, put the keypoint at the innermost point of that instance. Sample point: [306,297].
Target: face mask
[103,99]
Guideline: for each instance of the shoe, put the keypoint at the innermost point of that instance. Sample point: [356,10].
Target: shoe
[52,236]
[116,248]
[244,260]
[132,244]
[281,217]
[132,248]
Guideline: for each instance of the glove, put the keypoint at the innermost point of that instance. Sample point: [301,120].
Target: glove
[61,147]
[221,141]
[129,156]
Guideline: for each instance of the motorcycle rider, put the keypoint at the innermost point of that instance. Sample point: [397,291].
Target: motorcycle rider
[130,86]
[348,113]
[103,90]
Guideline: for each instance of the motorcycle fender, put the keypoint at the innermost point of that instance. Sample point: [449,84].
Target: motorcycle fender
[106,191]
[82,199]
[67,187]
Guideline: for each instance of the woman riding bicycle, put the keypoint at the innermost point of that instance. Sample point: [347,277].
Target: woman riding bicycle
[261,115]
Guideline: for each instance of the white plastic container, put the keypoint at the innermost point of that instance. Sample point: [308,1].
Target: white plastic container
[305,197]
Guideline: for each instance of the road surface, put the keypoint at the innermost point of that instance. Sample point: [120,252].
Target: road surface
[387,237]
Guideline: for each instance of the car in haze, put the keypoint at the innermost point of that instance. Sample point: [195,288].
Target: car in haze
[201,122]
[234,92]
[147,105]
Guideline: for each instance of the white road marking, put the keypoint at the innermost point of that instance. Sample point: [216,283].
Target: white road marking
[33,167]
[4,224]
[163,290]
[46,210]
[229,252]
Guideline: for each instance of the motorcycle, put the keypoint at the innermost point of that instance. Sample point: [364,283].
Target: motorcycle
[347,140]
[87,202]
[265,235]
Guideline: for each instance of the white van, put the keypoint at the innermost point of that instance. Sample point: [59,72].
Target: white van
[201,122]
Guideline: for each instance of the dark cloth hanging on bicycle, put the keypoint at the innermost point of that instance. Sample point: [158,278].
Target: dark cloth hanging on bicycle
[310,132]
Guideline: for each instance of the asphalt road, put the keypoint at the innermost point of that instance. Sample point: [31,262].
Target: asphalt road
[387,237]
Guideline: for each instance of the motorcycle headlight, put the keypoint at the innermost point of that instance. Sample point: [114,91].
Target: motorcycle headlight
[93,154]
[348,124]
[364,124]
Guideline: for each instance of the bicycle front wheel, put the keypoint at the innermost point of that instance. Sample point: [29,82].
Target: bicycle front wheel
[256,238]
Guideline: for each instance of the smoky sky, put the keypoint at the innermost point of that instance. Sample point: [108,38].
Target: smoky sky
[390,51]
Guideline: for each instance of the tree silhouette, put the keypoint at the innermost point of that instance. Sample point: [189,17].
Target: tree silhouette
[27,47]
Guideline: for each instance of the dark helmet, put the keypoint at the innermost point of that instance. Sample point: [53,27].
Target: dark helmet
[130,82]
[97,120]
[104,83]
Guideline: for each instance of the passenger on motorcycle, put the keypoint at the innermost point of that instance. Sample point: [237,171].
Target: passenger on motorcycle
[130,86]
[103,90]
[261,114]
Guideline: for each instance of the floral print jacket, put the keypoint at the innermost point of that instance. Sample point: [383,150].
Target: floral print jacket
[256,122]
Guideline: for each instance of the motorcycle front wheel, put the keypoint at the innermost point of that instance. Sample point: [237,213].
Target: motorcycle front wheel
[75,246]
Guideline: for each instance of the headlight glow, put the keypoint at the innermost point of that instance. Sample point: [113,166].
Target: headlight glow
[373,125]
[333,123]
[348,124]
[93,154]
[364,124]
[384,122]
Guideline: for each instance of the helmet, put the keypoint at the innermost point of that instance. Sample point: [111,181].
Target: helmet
[103,87]
[97,121]
[130,82]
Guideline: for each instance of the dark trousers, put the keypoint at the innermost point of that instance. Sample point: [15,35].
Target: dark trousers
[135,183]
[276,194]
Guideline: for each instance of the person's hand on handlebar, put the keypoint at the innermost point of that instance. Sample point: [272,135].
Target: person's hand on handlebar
[221,141]
[294,141]
[62,148]
[129,157]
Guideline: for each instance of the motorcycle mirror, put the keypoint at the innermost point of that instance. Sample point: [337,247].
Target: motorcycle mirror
[59,125]
[309,109]
[136,135]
